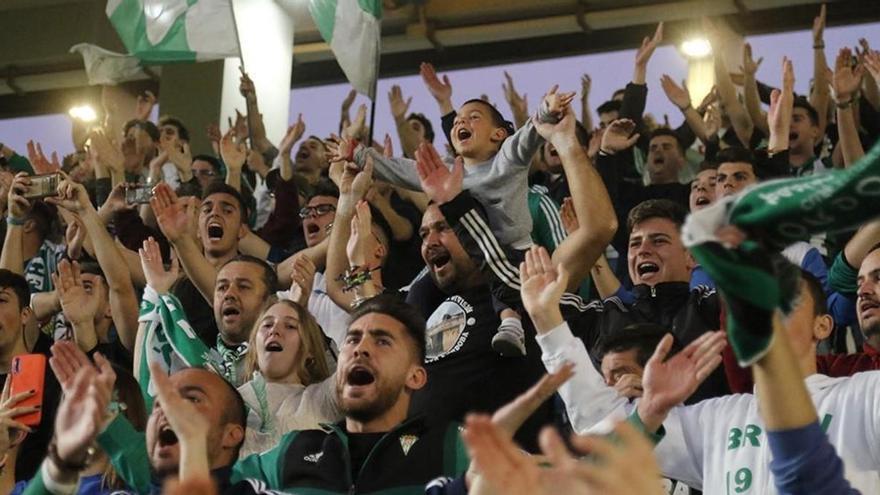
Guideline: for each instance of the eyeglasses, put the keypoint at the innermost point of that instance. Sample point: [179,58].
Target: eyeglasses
[316,211]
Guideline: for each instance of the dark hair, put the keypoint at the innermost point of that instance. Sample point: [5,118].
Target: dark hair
[656,208]
[219,187]
[145,125]
[18,284]
[45,216]
[319,140]
[735,154]
[620,91]
[665,131]
[802,102]
[708,165]
[643,337]
[393,306]
[498,120]
[324,187]
[609,106]
[381,222]
[234,413]
[215,163]
[269,278]
[91,267]
[817,293]
[182,131]
[426,124]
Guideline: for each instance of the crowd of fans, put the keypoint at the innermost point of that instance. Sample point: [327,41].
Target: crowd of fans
[433,313]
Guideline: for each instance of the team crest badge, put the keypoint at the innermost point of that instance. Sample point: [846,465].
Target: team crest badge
[406,442]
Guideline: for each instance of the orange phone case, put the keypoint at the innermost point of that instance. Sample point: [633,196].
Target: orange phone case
[29,373]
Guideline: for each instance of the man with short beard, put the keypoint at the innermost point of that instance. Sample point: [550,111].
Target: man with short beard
[378,446]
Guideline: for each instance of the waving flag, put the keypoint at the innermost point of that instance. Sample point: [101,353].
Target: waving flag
[352,28]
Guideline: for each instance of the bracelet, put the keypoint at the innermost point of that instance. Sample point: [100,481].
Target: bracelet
[604,153]
[685,109]
[818,46]
[355,277]
[11,220]
[67,465]
[843,104]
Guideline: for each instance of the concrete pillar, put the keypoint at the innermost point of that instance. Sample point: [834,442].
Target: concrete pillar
[207,92]
[266,33]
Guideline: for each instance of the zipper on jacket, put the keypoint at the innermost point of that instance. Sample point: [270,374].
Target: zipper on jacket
[653,291]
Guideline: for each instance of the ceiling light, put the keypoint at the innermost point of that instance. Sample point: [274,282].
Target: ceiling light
[696,48]
[84,113]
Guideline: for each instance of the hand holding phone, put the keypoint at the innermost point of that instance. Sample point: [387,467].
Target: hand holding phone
[138,194]
[28,375]
[43,186]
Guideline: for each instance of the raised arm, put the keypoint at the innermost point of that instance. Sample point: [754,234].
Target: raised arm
[592,205]
[820,96]
[409,137]
[79,307]
[586,112]
[440,90]
[173,217]
[12,258]
[750,89]
[739,118]
[846,81]
[353,186]
[259,141]
[781,107]
[123,300]
[234,153]
[293,134]
[680,97]
[519,105]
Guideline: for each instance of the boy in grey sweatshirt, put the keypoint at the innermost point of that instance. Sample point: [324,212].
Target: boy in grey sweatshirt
[496,167]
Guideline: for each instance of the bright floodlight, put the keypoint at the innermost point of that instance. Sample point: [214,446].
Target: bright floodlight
[696,48]
[83,112]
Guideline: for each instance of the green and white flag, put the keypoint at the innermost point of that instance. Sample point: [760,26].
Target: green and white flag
[160,31]
[352,28]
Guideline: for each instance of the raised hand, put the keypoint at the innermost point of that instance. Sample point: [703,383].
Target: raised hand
[668,382]
[83,410]
[678,95]
[629,386]
[749,66]
[180,155]
[586,85]
[348,101]
[171,214]
[569,216]
[712,120]
[302,279]
[518,104]
[781,107]
[74,235]
[39,161]
[72,196]
[872,63]
[643,54]
[11,431]
[362,243]
[819,27]
[106,152]
[619,136]
[17,205]
[399,107]
[233,150]
[542,286]
[67,358]
[441,91]
[160,279]
[78,305]
[388,147]
[293,134]
[438,182]
[846,79]
[358,125]
[554,102]
[560,133]
[246,85]
[144,106]
[212,132]
[239,127]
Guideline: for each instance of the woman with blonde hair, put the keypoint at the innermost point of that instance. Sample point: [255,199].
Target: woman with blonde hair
[292,385]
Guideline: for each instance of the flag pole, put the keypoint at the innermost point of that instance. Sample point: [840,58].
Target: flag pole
[237,37]
[375,88]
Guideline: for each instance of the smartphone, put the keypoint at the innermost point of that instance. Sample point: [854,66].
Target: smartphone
[29,373]
[43,186]
[138,195]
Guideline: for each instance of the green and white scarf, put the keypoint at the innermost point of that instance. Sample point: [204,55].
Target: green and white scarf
[169,340]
